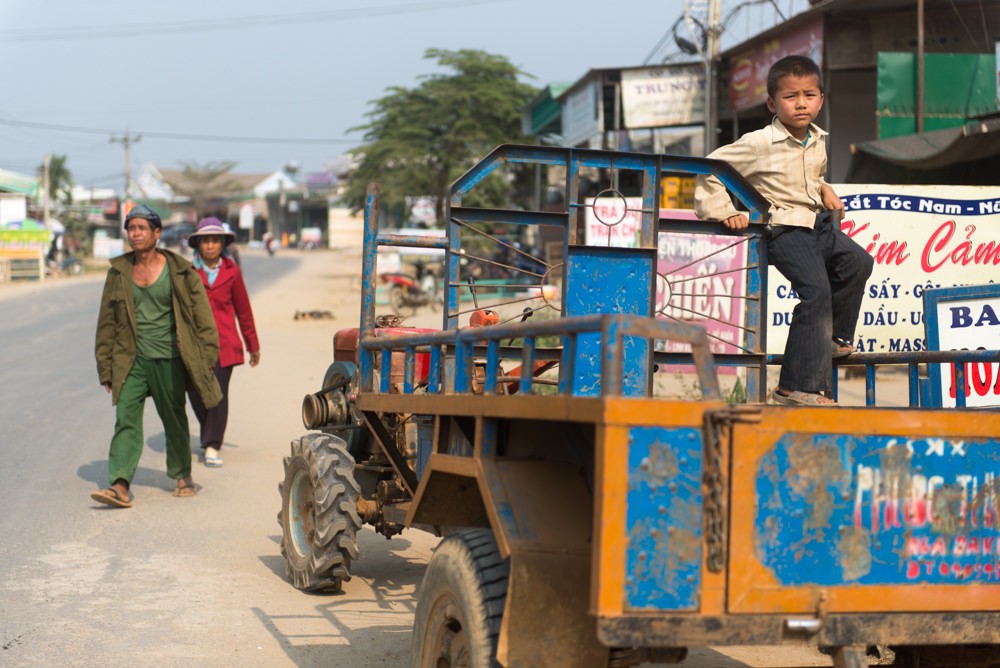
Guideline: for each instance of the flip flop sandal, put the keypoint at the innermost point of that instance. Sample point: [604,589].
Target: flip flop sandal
[213,462]
[842,348]
[185,490]
[797,398]
[111,497]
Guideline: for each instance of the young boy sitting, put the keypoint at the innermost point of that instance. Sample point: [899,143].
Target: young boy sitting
[786,162]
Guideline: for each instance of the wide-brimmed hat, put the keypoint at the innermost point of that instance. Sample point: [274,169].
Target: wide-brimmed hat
[211,227]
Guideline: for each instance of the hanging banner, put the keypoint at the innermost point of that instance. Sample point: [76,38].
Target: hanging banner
[921,237]
[655,97]
[748,71]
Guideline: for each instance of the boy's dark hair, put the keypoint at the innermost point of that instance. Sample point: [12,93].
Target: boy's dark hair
[797,66]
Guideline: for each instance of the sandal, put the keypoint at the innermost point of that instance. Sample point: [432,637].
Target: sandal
[796,398]
[111,497]
[185,488]
[842,348]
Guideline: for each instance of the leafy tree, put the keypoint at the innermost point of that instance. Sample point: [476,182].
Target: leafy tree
[418,140]
[203,183]
[60,179]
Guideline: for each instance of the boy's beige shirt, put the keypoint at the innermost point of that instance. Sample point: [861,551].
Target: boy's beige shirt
[788,174]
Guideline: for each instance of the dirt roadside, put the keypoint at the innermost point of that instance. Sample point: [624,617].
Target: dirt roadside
[380,597]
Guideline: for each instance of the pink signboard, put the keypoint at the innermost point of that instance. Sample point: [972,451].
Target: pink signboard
[748,74]
[702,277]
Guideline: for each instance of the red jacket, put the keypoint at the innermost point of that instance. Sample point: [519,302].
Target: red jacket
[230,303]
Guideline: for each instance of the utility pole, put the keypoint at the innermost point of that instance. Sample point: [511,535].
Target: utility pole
[712,29]
[45,188]
[127,140]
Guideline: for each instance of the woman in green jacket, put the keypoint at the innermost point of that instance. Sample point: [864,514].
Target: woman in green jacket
[156,335]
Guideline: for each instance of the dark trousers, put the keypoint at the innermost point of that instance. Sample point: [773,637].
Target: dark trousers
[829,271]
[213,420]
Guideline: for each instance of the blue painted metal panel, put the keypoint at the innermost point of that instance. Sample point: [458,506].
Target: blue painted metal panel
[610,281]
[664,519]
[879,510]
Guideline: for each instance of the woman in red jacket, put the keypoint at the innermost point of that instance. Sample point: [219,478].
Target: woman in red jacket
[230,303]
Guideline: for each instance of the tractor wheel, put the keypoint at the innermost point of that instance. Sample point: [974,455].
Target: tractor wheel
[319,517]
[460,603]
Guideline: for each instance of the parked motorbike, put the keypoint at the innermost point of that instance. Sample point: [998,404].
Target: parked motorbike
[270,243]
[407,292]
[67,265]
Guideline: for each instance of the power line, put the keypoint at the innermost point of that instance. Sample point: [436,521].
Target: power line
[209,25]
[175,135]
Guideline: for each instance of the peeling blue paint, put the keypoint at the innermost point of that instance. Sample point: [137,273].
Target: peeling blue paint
[610,281]
[664,519]
[879,510]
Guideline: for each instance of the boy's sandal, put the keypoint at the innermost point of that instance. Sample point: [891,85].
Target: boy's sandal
[111,497]
[796,398]
[842,348]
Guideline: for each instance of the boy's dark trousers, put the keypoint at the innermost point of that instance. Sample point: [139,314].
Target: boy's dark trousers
[828,271]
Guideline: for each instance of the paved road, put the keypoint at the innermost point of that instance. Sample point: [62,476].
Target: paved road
[177,582]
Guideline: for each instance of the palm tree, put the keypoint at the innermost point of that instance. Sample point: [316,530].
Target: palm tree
[202,183]
[60,180]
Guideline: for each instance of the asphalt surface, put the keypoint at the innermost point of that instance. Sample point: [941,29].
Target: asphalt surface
[180,581]
[171,581]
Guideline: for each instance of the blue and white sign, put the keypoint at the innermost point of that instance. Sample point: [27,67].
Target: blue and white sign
[964,318]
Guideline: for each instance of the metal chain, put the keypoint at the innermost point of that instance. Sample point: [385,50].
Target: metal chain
[715,485]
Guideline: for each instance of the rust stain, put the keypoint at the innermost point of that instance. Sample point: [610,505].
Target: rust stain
[855,548]
[674,547]
[814,470]
[988,497]
[896,473]
[656,470]
[947,505]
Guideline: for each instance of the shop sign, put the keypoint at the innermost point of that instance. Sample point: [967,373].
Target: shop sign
[654,97]
[581,114]
[964,318]
[748,74]
[701,278]
[921,237]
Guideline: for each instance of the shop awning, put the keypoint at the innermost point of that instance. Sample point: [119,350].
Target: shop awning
[961,151]
[543,114]
[973,141]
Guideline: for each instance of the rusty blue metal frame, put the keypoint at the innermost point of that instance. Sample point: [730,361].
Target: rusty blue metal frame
[573,160]
[475,342]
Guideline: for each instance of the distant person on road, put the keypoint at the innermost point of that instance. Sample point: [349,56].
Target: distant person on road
[786,162]
[155,335]
[230,304]
[231,249]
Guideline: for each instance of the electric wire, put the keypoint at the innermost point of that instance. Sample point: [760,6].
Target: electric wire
[177,135]
[209,25]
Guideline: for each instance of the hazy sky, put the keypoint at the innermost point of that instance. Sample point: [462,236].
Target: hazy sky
[181,72]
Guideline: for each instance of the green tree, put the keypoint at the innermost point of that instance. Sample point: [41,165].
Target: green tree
[60,180]
[203,183]
[418,140]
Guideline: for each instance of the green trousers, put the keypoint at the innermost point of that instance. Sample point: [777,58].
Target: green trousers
[164,380]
